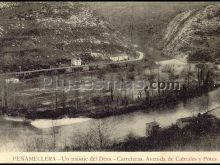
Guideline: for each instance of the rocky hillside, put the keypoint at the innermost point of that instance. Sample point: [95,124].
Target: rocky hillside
[194,35]
[37,35]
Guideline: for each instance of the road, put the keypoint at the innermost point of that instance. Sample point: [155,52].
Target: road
[141,56]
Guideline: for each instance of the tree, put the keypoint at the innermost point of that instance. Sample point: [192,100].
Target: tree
[140,94]
[147,94]
[35,144]
[63,100]
[201,72]
[4,92]
[201,55]
[204,103]
[54,132]
[95,138]
[187,74]
[76,96]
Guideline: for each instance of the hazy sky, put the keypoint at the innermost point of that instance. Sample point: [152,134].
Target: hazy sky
[108,8]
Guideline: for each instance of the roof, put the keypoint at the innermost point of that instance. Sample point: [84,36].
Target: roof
[154,123]
[78,58]
[186,119]
[118,55]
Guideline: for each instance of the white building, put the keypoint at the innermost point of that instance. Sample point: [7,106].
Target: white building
[94,54]
[182,122]
[76,62]
[120,57]
[12,80]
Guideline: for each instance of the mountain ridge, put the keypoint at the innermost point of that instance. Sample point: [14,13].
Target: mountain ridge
[194,34]
[37,34]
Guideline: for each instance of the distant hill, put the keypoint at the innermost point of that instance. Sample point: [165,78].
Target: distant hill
[145,23]
[38,34]
[194,35]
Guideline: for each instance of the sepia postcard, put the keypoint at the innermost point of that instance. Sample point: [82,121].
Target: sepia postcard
[109,82]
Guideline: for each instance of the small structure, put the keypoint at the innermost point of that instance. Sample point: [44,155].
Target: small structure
[119,57]
[153,70]
[182,122]
[152,128]
[12,80]
[76,61]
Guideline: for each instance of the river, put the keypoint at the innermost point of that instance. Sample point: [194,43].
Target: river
[16,135]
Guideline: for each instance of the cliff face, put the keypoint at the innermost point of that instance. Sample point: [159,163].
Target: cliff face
[194,35]
[38,34]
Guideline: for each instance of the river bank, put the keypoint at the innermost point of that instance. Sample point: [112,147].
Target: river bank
[164,99]
[198,135]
